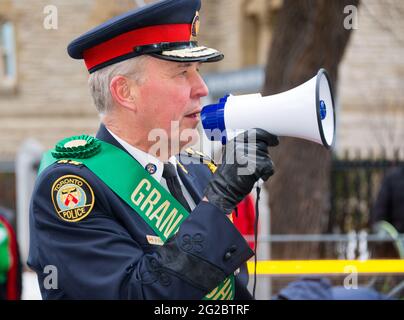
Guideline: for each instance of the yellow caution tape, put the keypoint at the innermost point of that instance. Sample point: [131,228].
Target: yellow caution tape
[290,267]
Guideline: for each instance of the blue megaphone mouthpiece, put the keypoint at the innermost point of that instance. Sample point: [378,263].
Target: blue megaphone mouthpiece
[212,117]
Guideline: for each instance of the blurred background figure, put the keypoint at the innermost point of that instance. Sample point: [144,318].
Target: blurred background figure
[389,205]
[387,214]
[244,218]
[10,264]
[387,219]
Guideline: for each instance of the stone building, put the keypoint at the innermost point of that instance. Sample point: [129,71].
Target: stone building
[371,114]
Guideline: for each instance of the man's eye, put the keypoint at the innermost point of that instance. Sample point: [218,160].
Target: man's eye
[183,73]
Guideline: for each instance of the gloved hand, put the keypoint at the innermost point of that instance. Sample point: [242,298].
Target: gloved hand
[244,161]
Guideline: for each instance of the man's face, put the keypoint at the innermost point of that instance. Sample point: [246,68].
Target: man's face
[170,99]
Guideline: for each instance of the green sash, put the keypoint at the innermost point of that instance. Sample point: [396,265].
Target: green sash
[133,184]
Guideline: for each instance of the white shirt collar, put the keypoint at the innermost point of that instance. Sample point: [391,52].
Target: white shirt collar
[145,159]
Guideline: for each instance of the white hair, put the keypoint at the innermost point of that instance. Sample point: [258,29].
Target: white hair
[99,81]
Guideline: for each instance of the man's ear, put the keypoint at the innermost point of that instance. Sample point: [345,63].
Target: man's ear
[122,92]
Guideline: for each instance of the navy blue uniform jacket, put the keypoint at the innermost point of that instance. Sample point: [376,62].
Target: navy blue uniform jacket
[106,255]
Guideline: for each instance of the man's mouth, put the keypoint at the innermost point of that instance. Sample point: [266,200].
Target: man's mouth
[194,114]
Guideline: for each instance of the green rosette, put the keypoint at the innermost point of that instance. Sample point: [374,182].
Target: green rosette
[77,147]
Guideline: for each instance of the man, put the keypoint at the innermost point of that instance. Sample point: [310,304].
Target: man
[120,218]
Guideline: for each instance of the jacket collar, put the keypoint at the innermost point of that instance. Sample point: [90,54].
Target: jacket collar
[105,136]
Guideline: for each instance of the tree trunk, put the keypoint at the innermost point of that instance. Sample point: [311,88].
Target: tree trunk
[308,35]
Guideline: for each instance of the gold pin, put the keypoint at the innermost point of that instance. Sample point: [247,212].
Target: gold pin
[190,151]
[212,167]
[75,162]
[182,167]
[200,153]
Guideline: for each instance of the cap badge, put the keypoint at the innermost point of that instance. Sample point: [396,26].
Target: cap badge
[195,27]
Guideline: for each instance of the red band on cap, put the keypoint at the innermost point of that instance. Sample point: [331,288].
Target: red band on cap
[125,43]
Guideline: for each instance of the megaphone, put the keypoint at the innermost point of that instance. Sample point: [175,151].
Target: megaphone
[306,112]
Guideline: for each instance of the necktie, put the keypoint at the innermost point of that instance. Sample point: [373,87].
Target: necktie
[173,184]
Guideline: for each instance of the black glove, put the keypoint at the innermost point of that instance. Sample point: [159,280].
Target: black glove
[244,161]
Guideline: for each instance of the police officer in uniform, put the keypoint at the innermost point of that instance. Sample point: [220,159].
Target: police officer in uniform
[120,220]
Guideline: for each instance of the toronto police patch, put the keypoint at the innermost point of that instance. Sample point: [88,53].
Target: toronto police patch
[72,197]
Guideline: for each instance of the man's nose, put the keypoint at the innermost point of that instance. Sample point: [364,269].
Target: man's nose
[199,87]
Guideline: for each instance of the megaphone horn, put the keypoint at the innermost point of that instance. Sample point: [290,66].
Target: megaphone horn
[306,112]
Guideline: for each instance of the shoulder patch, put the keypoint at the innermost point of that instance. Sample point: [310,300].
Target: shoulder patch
[72,197]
